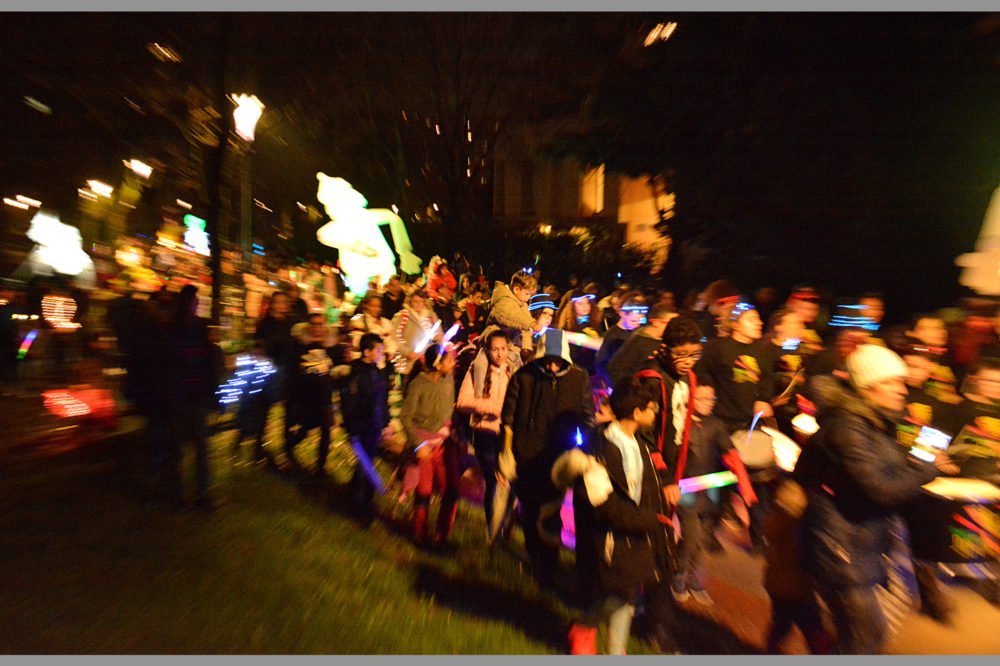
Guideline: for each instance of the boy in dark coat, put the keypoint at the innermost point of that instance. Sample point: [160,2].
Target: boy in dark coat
[631,524]
[365,404]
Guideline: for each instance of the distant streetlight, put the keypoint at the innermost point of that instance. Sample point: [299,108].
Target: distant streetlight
[246,114]
[139,168]
[27,200]
[660,33]
[15,203]
[101,189]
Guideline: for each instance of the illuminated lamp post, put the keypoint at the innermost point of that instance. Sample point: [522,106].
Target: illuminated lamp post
[246,114]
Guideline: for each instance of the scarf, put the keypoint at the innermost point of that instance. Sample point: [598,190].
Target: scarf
[631,458]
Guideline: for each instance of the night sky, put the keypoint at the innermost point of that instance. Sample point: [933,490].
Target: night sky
[853,150]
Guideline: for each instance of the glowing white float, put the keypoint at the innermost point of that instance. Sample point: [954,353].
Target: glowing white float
[354,230]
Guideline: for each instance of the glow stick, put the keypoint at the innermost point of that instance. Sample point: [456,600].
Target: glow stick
[756,417]
[579,437]
[26,343]
[450,333]
[581,340]
[368,466]
[419,349]
[696,484]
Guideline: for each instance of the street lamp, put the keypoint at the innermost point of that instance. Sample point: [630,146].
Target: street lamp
[246,114]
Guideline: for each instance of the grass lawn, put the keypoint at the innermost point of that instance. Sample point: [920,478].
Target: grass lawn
[88,568]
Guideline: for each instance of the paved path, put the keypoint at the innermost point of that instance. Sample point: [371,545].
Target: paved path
[733,578]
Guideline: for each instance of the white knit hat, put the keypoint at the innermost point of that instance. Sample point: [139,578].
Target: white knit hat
[873,363]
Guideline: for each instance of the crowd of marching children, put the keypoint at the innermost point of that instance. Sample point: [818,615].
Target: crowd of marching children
[629,399]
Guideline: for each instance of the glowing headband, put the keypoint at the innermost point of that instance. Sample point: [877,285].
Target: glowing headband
[739,310]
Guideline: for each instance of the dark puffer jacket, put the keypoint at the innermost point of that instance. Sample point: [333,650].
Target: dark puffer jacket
[634,547]
[856,479]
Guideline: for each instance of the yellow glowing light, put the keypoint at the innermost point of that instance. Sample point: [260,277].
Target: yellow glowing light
[183,204]
[26,200]
[437,128]
[394,209]
[128,256]
[660,33]
[16,204]
[260,204]
[101,189]
[87,194]
[139,168]
[436,207]
[246,114]
[301,206]
[164,53]
[545,229]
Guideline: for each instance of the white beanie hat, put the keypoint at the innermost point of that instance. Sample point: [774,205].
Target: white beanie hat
[873,363]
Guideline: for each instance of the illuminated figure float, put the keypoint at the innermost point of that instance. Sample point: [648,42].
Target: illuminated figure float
[58,250]
[354,230]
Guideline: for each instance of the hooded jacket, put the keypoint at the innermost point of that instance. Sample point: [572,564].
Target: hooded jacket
[544,409]
[509,314]
[856,479]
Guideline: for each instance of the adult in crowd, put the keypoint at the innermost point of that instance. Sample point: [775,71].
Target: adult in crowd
[856,480]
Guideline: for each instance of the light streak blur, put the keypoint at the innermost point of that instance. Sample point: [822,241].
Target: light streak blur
[139,168]
[660,33]
[100,188]
[16,204]
[27,200]
[419,349]
[247,113]
[251,376]
[26,343]
[59,311]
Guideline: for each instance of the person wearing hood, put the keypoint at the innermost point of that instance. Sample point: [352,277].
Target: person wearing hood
[509,312]
[547,409]
[857,480]
[411,326]
[311,387]
[481,397]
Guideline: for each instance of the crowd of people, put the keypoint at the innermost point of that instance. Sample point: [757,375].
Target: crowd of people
[622,397]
